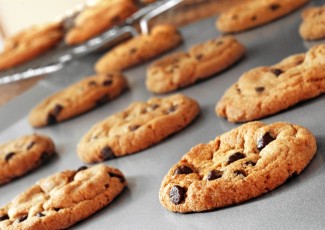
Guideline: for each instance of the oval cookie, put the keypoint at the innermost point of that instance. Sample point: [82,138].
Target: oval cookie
[78,98]
[63,199]
[19,156]
[239,165]
[139,126]
[313,25]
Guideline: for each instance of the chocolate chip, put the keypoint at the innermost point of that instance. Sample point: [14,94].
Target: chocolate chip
[253,18]
[177,194]
[39,214]
[172,109]
[102,100]
[82,168]
[107,153]
[239,173]
[44,157]
[264,141]
[57,109]
[214,174]
[259,89]
[107,82]
[57,209]
[4,217]
[277,72]
[106,186]
[234,17]
[235,157]
[133,50]
[219,43]
[199,56]
[154,106]
[30,145]
[274,6]
[250,163]
[9,156]
[51,119]
[22,218]
[122,179]
[183,170]
[92,83]
[133,127]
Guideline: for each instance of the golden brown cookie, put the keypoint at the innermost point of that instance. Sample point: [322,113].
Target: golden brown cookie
[63,199]
[202,61]
[30,43]
[313,25]
[255,13]
[239,165]
[267,90]
[98,18]
[137,127]
[19,156]
[139,49]
[78,98]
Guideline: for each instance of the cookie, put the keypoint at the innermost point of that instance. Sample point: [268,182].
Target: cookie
[239,165]
[63,199]
[29,44]
[139,126]
[78,98]
[19,156]
[313,25]
[139,49]
[255,13]
[267,90]
[202,61]
[98,18]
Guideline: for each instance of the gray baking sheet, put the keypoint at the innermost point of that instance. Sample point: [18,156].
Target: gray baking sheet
[298,204]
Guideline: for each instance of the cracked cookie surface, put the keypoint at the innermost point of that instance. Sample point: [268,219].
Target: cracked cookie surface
[313,25]
[239,165]
[139,126]
[202,61]
[19,156]
[78,98]
[255,13]
[63,199]
[140,49]
[264,91]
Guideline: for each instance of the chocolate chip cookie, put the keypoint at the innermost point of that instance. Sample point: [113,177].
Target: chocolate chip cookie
[30,43]
[313,25]
[267,90]
[98,18]
[239,165]
[139,126]
[140,49]
[63,199]
[202,61]
[19,156]
[78,98]
[255,13]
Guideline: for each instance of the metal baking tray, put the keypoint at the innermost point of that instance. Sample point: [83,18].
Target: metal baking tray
[298,204]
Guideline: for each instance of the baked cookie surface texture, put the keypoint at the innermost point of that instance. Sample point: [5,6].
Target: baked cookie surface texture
[19,156]
[78,98]
[140,49]
[255,13]
[264,91]
[239,165]
[139,126]
[313,25]
[202,61]
[63,199]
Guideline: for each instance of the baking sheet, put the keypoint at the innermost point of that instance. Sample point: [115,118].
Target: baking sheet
[298,204]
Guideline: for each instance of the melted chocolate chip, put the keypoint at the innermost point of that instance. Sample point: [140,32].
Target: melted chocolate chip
[274,6]
[199,56]
[107,153]
[235,157]
[239,173]
[107,82]
[102,100]
[30,145]
[4,217]
[92,83]
[51,119]
[57,109]
[22,218]
[133,127]
[82,168]
[234,17]
[276,72]
[133,50]
[259,89]
[183,170]
[9,156]
[214,174]
[121,178]
[250,163]
[39,214]
[219,43]
[264,141]
[44,157]
[253,18]
[177,194]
